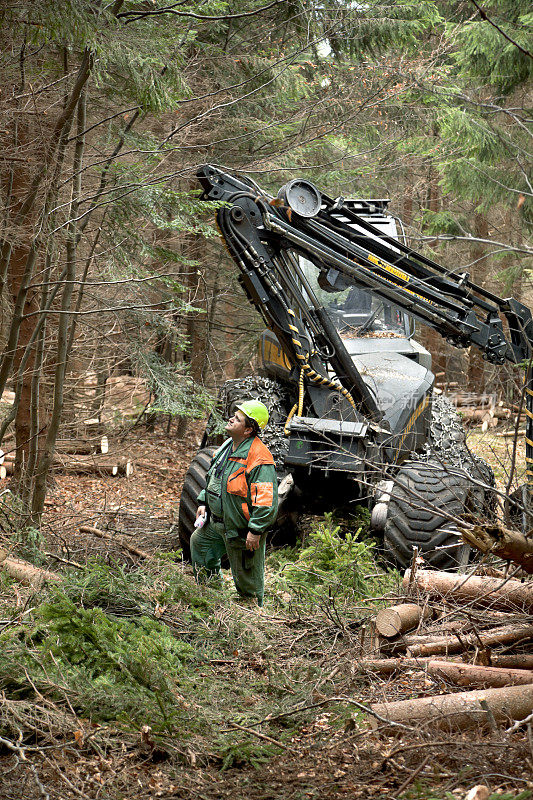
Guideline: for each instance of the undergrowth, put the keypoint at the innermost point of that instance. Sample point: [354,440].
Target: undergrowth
[147,649]
[334,563]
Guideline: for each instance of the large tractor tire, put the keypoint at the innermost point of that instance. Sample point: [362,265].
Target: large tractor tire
[447,480]
[424,498]
[192,485]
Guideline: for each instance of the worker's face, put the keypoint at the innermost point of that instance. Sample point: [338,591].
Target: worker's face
[236,426]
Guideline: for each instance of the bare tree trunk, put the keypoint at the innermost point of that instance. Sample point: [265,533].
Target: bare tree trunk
[99,393]
[431,340]
[478,273]
[63,338]
[196,324]
[24,255]
[37,412]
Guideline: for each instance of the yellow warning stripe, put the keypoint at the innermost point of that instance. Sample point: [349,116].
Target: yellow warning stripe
[528,441]
[412,419]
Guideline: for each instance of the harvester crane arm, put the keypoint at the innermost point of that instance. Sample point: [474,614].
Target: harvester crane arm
[266,236]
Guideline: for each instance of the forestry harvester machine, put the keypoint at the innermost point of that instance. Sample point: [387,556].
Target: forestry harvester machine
[353,414]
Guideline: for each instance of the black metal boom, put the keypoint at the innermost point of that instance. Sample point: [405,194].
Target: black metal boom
[265,236]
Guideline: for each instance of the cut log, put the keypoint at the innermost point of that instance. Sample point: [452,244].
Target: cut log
[9,446]
[474,675]
[454,670]
[444,645]
[26,573]
[398,619]
[479,591]
[479,792]
[104,445]
[478,415]
[74,447]
[513,661]
[136,551]
[152,466]
[94,465]
[510,545]
[475,400]
[388,666]
[460,710]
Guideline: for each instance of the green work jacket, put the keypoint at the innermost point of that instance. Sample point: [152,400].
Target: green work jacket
[245,495]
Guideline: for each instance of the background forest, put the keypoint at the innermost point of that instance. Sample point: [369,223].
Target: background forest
[121,315]
[109,265]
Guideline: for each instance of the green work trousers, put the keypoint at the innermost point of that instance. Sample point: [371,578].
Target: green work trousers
[210,543]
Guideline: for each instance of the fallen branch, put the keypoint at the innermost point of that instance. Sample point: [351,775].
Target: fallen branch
[519,723]
[21,753]
[410,778]
[136,551]
[510,545]
[263,736]
[459,710]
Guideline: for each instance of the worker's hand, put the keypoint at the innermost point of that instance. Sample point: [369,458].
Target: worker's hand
[252,540]
[201,511]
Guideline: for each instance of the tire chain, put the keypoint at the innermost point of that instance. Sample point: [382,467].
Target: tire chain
[268,391]
[447,443]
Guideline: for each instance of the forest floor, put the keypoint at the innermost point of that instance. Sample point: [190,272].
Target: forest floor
[126,681]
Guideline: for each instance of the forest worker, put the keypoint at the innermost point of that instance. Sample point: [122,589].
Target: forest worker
[241,504]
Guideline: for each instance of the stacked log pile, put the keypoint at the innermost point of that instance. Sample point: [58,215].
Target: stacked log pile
[460,631]
[484,410]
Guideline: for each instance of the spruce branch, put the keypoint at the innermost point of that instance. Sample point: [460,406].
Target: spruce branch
[133,16]
[484,16]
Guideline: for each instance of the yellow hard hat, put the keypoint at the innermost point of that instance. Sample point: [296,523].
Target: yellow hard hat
[255,410]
